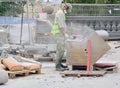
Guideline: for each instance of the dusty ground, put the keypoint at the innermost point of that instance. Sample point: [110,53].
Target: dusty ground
[52,79]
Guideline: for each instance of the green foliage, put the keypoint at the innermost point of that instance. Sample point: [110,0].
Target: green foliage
[93,10]
[94,1]
[79,1]
[100,1]
[113,1]
[10,8]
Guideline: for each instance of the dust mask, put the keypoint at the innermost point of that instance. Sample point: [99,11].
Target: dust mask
[65,11]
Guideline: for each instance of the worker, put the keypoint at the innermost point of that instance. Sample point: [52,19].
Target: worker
[59,30]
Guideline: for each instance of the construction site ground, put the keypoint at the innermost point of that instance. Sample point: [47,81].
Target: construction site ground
[49,78]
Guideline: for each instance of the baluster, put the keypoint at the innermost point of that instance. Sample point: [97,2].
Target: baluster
[116,26]
[111,24]
[93,24]
[98,26]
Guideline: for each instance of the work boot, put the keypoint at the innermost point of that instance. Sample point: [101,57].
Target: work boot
[64,66]
[60,69]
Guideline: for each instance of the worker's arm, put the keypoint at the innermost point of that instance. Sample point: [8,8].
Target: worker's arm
[63,30]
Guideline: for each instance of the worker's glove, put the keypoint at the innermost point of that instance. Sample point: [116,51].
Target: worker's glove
[66,36]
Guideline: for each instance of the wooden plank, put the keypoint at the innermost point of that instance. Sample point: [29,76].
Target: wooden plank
[70,73]
[82,73]
[93,73]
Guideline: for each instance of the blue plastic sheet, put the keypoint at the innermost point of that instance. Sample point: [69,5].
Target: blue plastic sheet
[15,20]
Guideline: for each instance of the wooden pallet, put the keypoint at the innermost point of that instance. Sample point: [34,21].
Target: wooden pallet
[105,67]
[79,73]
[12,74]
[36,71]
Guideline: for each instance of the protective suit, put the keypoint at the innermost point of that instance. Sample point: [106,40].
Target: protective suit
[59,31]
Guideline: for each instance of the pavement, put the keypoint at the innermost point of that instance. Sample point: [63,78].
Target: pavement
[49,78]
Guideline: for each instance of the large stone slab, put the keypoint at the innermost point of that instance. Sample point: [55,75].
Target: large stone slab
[77,49]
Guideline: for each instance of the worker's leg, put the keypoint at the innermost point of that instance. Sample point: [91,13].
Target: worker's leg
[59,54]
[60,51]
